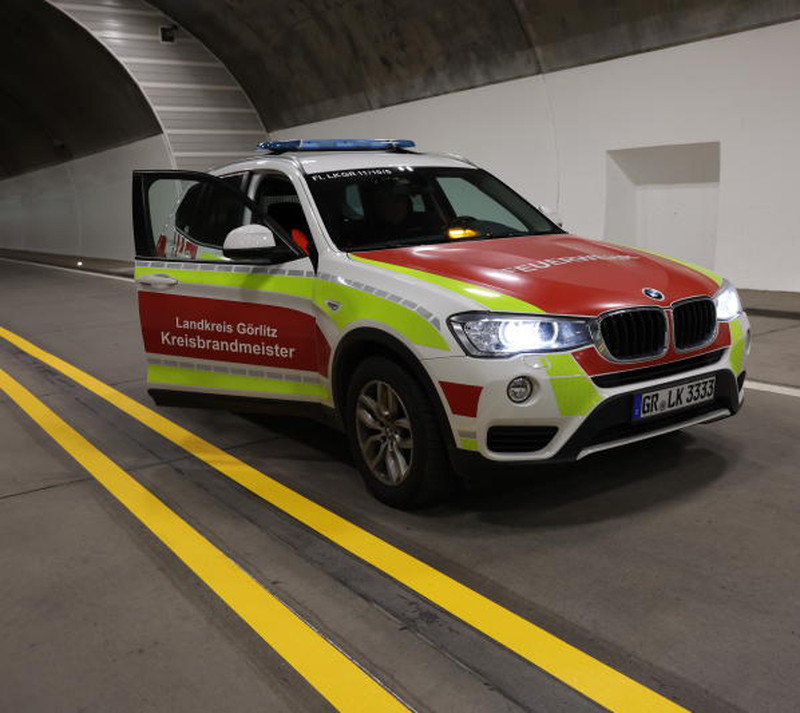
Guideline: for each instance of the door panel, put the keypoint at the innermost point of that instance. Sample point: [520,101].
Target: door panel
[228,330]
[210,324]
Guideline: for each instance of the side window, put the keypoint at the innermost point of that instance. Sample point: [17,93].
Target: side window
[190,219]
[277,198]
[467,199]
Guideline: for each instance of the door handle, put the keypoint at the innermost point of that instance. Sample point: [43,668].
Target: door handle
[157,282]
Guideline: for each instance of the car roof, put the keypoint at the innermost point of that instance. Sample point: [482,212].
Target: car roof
[324,161]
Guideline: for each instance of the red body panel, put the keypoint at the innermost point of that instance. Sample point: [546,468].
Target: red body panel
[462,398]
[560,274]
[220,330]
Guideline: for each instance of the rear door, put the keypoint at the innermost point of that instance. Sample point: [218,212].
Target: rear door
[217,330]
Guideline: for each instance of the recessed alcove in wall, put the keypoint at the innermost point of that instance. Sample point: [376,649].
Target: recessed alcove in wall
[665,198]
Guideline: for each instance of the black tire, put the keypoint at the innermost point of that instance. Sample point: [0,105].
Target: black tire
[428,479]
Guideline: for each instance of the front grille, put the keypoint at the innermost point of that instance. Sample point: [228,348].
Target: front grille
[633,376]
[519,439]
[695,322]
[635,333]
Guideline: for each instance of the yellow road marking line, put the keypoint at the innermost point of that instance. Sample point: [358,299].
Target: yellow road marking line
[336,677]
[577,669]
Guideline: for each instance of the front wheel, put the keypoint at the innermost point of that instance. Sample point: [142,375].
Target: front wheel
[394,436]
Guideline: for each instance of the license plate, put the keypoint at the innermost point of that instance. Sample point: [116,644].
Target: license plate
[655,403]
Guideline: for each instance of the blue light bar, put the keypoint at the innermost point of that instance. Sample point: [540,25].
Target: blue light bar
[336,145]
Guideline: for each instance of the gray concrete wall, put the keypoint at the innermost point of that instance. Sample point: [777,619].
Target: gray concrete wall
[725,109]
[308,61]
[80,207]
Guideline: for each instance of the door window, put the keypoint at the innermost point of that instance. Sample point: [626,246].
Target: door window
[191,219]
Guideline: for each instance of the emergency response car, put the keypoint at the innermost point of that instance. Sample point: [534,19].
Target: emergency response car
[420,304]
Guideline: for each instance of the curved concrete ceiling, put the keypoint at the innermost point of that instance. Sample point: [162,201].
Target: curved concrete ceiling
[63,95]
[206,117]
[309,60]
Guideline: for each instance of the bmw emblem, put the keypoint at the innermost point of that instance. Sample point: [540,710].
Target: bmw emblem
[653,294]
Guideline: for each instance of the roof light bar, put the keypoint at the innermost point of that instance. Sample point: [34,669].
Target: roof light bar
[336,145]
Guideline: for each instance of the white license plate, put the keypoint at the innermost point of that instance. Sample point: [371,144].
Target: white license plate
[654,403]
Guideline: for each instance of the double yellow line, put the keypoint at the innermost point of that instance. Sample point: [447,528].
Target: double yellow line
[327,669]
[344,685]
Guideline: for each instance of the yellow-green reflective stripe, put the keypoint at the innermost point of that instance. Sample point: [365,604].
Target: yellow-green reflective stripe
[231,382]
[357,305]
[469,444]
[484,295]
[697,268]
[575,393]
[737,346]
[296,286]
[736,330]
[563,365]
[211,256]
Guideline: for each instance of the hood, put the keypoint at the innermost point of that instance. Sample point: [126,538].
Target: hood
[560,274]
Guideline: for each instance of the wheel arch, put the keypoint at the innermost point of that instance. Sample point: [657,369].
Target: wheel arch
[366,342]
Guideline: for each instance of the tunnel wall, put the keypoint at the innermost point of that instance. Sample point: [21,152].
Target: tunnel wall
[550,136]
[80,207]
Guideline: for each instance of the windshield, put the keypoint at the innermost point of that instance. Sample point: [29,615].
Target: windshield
[368,209]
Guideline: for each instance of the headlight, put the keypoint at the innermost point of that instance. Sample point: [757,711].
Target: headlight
[491,334]
[727,301]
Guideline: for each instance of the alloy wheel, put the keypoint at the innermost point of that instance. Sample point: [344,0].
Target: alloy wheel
[384,432]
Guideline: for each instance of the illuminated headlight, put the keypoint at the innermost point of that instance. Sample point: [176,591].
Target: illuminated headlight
[491,334]
[728,303]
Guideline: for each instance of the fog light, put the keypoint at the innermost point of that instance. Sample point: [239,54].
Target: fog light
[519,389]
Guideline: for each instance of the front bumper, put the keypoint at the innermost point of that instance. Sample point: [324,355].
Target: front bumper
[610,425]
[600,415]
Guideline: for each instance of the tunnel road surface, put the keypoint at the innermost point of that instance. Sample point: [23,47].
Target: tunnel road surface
[672,562]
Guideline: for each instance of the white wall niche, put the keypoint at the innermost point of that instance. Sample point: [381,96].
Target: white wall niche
[665,198]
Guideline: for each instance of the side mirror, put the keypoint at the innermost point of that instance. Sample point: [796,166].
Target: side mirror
[249,241]
[552,214]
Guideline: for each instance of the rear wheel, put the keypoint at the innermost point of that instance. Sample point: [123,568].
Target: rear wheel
[394,436]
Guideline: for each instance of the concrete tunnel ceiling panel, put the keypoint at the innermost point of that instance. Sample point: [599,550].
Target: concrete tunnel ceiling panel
[302,62]
[206,117]
[63,95]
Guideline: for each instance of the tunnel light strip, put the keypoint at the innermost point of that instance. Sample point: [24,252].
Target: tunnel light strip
[186,85]
[214,154]
[335,675]
[207,109]
[213,132]
[107,9]
[176,62]
[118,35]
[568,664]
